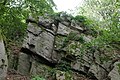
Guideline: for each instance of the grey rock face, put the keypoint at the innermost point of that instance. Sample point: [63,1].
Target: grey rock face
[3,61]
[39,42]
[98,72]
[115,74]
[24,63]
[63,30]
[39,45]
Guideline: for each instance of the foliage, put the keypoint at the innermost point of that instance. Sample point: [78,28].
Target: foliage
[99,17]
[104,20]
[87,24]
[63,66]
[105,30]
[106,13]
[80,18]
[67,75]
[37,78]
[14,13]
[71,43]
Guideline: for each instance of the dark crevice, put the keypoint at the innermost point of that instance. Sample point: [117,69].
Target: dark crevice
[34,33]
[38,58]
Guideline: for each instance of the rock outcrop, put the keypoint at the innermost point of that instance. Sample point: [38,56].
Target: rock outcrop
[59,43]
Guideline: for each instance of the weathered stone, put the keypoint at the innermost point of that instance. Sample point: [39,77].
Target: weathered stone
[24,63]
[77,65]
[98,72]
[41,43]
[114,74]
[66,23]
[74,24]
[62,29]
[40,47]
[34,29]
[39,69]
[3,61]
[56,56]
[46,22]
[87,38]
[103,71]
[78,27]
[38,43]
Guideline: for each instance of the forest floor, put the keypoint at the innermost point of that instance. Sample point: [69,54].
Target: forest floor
[14,75]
